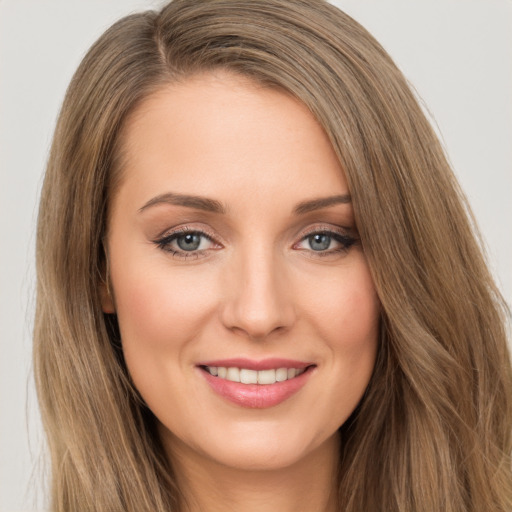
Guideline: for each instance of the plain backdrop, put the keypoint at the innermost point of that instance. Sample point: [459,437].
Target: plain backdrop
[456,53]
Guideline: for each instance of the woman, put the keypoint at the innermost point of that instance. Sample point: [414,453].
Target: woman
[258,287]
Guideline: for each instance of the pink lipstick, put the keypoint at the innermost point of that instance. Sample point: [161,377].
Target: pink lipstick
[256,384]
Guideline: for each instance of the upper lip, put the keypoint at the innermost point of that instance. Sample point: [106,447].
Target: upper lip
[252,364]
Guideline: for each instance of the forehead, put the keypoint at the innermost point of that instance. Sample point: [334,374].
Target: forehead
[217,134]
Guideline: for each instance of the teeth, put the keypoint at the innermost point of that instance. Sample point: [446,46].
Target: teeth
[281,374]
[267,377]
[246,376]
[233,374]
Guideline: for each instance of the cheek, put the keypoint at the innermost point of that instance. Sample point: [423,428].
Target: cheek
[160,309]
[346,310]
[355,327]
[346,316]
[355,324]
[160,312]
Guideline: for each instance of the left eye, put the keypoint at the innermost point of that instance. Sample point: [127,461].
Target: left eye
[189,241]
[326,242]
[320,241]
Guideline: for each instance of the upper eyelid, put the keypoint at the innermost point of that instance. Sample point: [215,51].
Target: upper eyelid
[325,228]
[184,229]
[348,235]
[166,241]
[214,236]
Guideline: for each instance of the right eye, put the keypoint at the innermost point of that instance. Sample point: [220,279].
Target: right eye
[185,243]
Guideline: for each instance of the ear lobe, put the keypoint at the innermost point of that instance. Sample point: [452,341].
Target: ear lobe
[107,302]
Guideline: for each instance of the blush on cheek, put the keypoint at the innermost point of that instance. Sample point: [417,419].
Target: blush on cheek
[162,309]
[360,302]
[351,310]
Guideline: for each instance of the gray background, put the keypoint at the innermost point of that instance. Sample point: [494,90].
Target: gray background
[457,53]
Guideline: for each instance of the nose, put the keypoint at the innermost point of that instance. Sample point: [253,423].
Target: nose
[258,302]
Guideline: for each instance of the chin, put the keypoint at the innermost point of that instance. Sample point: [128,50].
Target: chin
[258,446]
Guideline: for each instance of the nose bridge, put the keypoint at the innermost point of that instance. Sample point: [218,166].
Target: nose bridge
[258,302]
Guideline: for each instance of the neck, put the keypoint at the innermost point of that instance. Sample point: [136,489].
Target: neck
[208,486]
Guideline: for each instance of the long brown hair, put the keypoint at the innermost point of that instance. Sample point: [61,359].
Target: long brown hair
[433,431]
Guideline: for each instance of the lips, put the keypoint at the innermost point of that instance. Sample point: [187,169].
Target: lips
[256,384]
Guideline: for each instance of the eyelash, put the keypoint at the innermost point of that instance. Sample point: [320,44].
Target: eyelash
[164,243]
[345,241]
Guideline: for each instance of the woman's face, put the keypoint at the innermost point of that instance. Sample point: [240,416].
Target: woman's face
[234,256]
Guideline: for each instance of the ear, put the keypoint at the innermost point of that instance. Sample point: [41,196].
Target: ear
[107,301]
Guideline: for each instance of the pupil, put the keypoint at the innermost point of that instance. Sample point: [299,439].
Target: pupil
[319,242]
[189,242]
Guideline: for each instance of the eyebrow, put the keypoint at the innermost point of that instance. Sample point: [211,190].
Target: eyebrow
[197,202]
[322,202]
[214,206]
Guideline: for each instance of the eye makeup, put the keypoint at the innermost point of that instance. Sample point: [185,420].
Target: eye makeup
[188,242]
[326,240]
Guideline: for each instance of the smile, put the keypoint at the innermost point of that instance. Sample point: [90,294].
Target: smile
[247,376]
[256,385]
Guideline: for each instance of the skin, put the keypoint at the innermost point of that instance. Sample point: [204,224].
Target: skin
[255,288]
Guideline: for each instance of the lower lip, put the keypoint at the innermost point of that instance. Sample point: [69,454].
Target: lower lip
[256,396]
